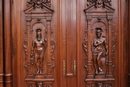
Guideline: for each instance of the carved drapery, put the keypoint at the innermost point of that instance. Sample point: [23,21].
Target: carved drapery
[39,44]
[99,43]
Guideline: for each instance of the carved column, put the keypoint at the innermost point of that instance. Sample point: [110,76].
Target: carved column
[48,19]
[89,61]
[110,47]
[28,21]
[7,43]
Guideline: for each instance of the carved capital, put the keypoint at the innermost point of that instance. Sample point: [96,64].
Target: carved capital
[110,17]
[28,18]
[48,17]
[89,18]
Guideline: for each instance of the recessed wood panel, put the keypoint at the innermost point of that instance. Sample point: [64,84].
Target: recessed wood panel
[69,35]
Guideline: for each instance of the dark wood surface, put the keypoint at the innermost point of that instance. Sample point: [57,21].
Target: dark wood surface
[128,42]
[1,45]
[68,24]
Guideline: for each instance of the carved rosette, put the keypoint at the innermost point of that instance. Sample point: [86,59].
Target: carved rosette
[39,44]
[99,43]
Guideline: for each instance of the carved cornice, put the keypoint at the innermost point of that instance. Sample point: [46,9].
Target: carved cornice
[92,9]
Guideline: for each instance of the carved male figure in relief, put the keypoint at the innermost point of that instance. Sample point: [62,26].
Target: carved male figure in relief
[99,50]
[38,49]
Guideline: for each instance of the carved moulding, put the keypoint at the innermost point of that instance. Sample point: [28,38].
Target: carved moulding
[39,44]
[99,84]
[99,43]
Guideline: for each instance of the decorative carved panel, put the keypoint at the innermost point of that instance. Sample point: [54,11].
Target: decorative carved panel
[100,84]
[39,44]
[99,43]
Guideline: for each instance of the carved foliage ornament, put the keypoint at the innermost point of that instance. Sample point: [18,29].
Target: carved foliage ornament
[98,3]
[39,3]
[40,84]
[100,85]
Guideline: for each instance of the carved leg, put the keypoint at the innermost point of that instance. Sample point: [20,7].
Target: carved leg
[95,64]
[99,62]
[38,66]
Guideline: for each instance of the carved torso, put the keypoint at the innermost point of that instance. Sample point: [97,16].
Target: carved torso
[99,44]
[39,46]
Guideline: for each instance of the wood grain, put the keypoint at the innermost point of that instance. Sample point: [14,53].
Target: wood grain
[1,46]
[7,43]
[69,24]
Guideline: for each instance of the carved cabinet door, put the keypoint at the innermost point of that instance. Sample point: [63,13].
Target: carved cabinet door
[65,43]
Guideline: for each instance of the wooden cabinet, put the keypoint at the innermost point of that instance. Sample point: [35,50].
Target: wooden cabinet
[65,43]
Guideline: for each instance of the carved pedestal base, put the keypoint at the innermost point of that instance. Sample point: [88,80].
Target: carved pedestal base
[30,76]
[99,82]
[99,76]
[49,76]
[39,81]
[39,76]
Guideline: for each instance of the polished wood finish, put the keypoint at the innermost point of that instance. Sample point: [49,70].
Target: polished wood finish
[7,43]
[123,42]
[127,34]
[69,24]
[1,46]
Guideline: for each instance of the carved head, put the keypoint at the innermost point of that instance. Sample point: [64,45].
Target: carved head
[99,3]
[38,34]
[99,32]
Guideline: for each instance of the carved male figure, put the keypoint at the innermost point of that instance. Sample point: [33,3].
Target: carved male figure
[99,50]
[38,49]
